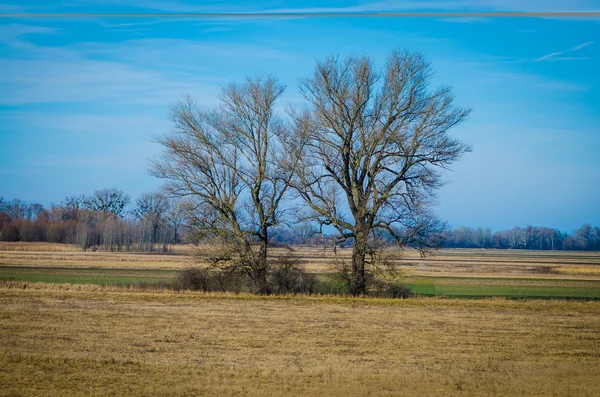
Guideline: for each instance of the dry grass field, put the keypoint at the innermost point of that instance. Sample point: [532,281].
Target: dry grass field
[96,341]
[97,337]
[450,262]
[450,273]
[65,255]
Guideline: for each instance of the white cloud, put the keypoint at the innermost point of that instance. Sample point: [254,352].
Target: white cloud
[12,34]
[554,55]
[551,57]
[58,81]
[134,72]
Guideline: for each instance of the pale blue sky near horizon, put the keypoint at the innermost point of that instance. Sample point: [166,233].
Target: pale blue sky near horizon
[82,97]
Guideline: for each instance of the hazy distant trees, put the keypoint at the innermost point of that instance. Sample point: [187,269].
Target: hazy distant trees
[233,163]
[79,226]
[373,142]
[178,215]
[151,212]
[16,209]
[530,237]
[21,221]
[109,202]
[465,237]
[99,221]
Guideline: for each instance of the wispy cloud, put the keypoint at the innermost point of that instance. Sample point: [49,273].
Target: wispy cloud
[551,57]
[132,72]
[10,8]
[85,80]
[13,34]
[554,56]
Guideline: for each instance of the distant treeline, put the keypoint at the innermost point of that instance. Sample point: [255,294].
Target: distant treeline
[586,238]
[107,220]
[103,220]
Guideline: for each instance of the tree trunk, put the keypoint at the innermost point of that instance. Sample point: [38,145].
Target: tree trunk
[261,268]
[358,280]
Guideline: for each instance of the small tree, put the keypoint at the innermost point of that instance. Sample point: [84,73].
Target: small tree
[372,143]
[151,210]
[230,161]
[178,216]
[109,202]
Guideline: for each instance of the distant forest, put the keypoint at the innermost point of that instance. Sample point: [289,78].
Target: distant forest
[107,220]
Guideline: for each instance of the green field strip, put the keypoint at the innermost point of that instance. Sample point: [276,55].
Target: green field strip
[446,279]
[493,291]
[95,276]
[444,286]
[520,288]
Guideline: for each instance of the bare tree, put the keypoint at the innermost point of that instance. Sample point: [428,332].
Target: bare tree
[151,211]
[153,204]
[230,160]
[178,216]
[34,210]
[372,144]
[16,209]
[109,201]
[76,202]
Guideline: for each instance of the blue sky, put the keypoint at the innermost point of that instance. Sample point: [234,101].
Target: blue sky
[82,98]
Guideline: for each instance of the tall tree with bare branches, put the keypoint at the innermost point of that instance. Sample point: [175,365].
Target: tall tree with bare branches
[231,161]
[372,143]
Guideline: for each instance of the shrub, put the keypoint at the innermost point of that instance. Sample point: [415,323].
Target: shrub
[391,290]
[195,279]
[207,280]
[287,276]
[230,281]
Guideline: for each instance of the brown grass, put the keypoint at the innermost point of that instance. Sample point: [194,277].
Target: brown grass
[579,270]
[55,247]
[458,263]
[94,341]
[42,247]
[117,260]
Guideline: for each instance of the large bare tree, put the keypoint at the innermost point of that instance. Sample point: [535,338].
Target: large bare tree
[232,161]
[372,144]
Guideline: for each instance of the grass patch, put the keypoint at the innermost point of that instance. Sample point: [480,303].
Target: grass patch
[511,288]
[458,287]
[95,276]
